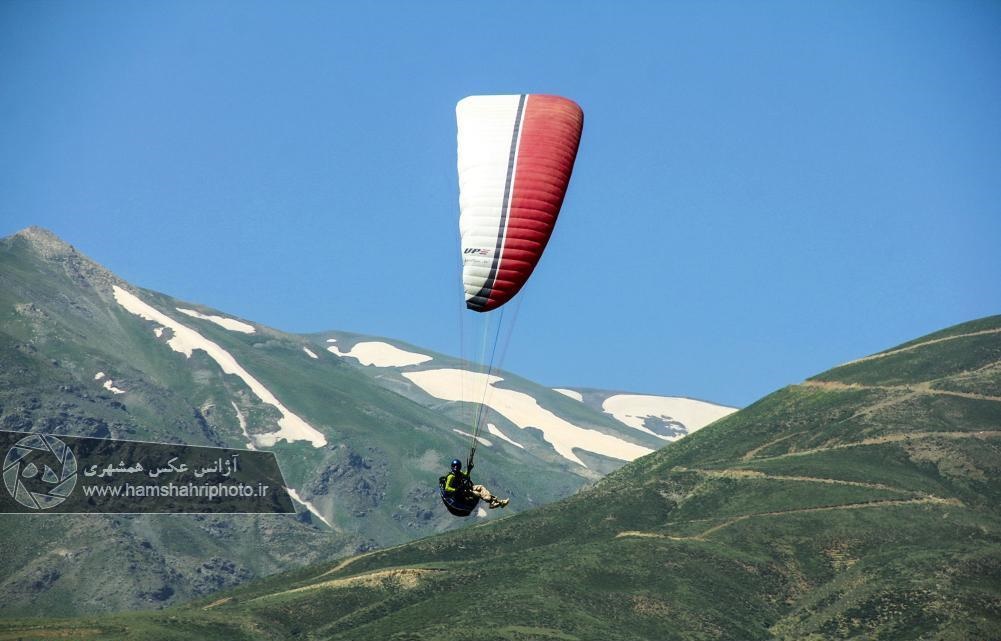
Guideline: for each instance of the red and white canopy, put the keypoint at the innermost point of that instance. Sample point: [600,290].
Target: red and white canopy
[515,157]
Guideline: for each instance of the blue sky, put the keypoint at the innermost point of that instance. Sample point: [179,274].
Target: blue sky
[763,190]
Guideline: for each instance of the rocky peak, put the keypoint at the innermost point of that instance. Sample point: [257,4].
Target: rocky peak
[45,242]
[51,248]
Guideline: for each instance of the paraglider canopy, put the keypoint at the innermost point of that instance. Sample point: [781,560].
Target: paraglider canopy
[515,156]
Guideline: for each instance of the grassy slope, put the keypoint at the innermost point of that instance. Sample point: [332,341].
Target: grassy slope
[860,504]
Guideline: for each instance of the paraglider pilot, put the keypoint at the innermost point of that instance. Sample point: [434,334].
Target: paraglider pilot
[459,482]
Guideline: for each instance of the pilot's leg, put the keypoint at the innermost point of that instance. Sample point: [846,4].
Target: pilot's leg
[482,492]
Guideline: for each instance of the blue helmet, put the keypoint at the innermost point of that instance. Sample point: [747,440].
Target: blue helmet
[456,465]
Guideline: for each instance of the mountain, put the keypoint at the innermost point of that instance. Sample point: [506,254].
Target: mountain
[361,427]
[859,504]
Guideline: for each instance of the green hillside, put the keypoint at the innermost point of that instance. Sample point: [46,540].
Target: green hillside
[860,504]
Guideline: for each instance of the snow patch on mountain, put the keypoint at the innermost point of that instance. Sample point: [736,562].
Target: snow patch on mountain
[226,323]
[243,427]
[309,506]
[524,411]
[185,340]
[479,439]
[379,354]
[309,352]
[577,396]
[635,410]
[501,435]
[110,386]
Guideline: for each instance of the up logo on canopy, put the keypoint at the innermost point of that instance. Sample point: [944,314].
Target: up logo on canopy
[40,471]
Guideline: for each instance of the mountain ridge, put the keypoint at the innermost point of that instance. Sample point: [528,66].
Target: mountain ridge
[76,361]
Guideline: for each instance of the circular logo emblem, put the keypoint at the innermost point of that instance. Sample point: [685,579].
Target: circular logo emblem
[39,471]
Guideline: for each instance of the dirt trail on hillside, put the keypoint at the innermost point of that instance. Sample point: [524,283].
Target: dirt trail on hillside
[903,393]
[926,500]
[348,561]
[911,390]
[222,601]
[738,473]
[405,578]
[888,438]
[752,453]
[924,344]
[17,633]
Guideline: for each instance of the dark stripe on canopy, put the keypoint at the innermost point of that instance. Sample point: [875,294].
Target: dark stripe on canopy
[479,301]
